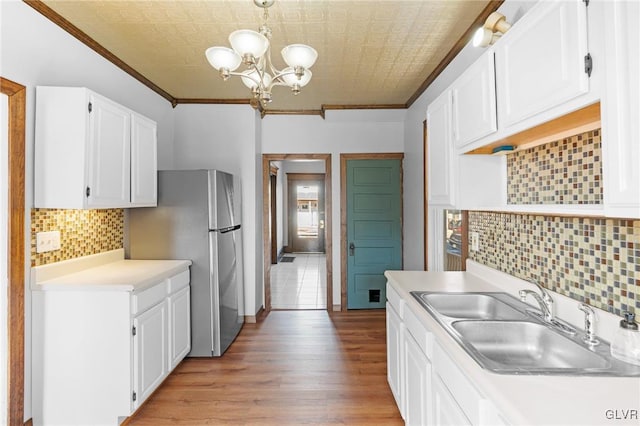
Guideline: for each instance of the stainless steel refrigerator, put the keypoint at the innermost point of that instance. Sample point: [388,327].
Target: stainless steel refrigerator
[198,218]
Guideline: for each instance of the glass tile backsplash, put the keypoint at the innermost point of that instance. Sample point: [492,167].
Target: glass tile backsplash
[82,232]
[596,261]
[568,171]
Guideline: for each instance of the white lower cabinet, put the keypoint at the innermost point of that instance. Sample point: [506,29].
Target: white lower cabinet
[99,352]
[179,326]
[150,351]
[428,386]
[417,384]
[446,412]
[395,331]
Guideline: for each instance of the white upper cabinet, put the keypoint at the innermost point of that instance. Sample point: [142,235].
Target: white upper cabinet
[440,155]
[92,153]
[540,63]
[621,110]
[108,152]
[144,166]
[474,102]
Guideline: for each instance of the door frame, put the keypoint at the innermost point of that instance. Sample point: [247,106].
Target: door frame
[293,177]
[16,94]
[343,211]
[266,162]
[273,211]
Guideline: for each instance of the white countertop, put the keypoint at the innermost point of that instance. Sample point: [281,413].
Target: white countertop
[523,400]
[105,272]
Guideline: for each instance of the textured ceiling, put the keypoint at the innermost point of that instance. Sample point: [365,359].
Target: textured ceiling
[369,52]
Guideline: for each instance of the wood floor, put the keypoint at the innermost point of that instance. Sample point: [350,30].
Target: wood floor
[295,367]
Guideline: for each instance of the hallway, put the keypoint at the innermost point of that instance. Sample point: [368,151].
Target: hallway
[301,284]
[292,368]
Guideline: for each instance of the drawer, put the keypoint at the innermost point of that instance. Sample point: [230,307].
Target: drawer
[395,300]
[142,301]
[419,332]
[178,282]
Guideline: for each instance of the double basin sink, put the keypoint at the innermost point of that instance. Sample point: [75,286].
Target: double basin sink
[504,335]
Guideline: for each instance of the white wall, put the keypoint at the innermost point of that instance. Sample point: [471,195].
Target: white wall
[4,188]
[33,52]
[416,114]
[362,131]
[226,137]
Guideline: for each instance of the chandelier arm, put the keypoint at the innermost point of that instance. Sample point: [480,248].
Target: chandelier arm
[239,74]
[283,73]
[260,72]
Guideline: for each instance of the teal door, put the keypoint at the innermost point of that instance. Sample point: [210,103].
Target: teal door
[374,229]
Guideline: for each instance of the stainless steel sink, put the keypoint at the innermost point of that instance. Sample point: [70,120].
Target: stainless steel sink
[518,345]
[471,306]
[506,336]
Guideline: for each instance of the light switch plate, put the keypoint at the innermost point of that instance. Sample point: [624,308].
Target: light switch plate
[47,241]
[475,241]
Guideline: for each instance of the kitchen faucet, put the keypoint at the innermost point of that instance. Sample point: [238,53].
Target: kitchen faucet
[544,300]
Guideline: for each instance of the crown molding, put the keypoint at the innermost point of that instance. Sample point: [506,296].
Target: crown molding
[462,42]
[57,19]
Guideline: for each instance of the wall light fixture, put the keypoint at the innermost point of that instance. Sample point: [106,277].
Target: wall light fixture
[494,27]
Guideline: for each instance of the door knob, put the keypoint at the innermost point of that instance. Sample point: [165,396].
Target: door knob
[352,249]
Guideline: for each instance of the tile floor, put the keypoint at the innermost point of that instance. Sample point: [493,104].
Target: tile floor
[301,284]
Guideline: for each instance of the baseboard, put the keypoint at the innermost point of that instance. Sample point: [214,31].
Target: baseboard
[252,319]
[336,308]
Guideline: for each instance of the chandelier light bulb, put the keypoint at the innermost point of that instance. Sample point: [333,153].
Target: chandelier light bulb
[248,44]
[299,55]
[291,79]
[223,58]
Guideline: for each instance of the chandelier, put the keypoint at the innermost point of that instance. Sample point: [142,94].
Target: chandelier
[254,50]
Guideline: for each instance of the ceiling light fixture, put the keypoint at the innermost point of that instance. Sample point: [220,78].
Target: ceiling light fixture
[494,27]
[254,50]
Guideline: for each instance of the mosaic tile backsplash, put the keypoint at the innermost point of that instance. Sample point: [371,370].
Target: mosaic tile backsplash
[82,232]
[567,171]
[596,261]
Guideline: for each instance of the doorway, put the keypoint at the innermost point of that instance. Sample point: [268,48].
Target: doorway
[14,223]
[321,261]
[306,216]
[371,231]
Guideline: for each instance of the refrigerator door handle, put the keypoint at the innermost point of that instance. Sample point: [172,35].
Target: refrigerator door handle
[229,229]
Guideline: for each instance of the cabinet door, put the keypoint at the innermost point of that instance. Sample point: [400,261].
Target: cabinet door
[144,168]
[108,154]
[540,62]
[417,383]
[150,350]
[179,326]
[446,411]
[474,102]
[439,157]
[621,110]
[394,356]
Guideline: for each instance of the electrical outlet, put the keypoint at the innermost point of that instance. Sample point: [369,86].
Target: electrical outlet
[47,241]
[475,241]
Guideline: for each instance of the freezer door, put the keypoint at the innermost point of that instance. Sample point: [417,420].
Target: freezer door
[222,201]
[224,289]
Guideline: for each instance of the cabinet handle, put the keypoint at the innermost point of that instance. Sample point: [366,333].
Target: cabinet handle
[352,249]
[88,192]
